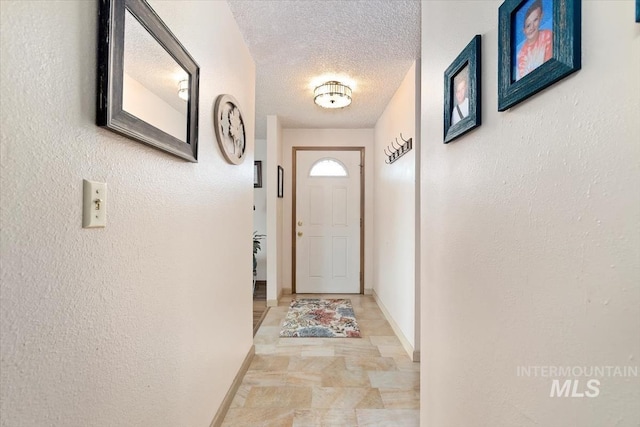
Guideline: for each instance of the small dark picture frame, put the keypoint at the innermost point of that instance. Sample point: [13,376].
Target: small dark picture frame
[280,182]
[539,44]
[257,174]
[462,93]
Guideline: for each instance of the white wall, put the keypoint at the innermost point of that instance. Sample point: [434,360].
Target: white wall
[146,321]
[260,208]
[138,100]
[394,204]
[323,138]
[531,237]
[274,212]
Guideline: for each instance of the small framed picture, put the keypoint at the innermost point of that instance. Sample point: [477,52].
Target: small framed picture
[538,45]
[280,182]
[257,174]
[637,10]
[462,92]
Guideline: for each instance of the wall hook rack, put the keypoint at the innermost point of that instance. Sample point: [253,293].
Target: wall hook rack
[394,153]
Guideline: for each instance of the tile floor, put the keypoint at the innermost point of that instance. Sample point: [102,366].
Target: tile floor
[307,382]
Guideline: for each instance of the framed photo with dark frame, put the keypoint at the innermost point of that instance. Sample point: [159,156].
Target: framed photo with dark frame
[538,44]
[280,182]
[257,174]
[462,93]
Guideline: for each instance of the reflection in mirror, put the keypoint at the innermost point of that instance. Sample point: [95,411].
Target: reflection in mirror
[151,81]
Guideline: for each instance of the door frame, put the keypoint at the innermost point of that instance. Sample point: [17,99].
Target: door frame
[294,177]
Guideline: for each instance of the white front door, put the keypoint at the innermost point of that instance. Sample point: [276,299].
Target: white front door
[327,221]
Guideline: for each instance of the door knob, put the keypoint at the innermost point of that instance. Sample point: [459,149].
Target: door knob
[299,222]
[299,233]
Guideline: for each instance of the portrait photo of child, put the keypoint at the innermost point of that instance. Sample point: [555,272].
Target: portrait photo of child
[460,96]
[533,32]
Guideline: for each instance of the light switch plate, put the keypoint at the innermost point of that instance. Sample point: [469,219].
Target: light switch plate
[94,209]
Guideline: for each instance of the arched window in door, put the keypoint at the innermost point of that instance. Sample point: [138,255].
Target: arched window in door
[328,167]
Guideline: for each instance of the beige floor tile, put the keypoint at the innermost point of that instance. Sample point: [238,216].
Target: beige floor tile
[321,351]
[376,328]
[269,363]
[264,379]
[307,382]
[307,341]
[346,398]
[392,350]
[345,378]
[366,313]
[344,349]
[385,340]
[396,380]
[400,399]
[316,364]
[304,379]
[355,363]
[279,397]
[241,396]
[295,349]
[388,417]
[267,330]
[405,364]
[265,348]
[259,417]
[325,418]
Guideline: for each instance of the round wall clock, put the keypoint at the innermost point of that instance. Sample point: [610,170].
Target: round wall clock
[227,119]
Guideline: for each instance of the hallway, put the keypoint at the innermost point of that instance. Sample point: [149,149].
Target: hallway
[328,381]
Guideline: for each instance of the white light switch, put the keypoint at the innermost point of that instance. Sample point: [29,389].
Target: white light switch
[94,212]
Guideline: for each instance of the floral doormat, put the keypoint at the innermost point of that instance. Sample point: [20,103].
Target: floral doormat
[326,318]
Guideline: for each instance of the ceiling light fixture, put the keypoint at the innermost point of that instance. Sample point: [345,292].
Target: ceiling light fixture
[332,94]
[183,89]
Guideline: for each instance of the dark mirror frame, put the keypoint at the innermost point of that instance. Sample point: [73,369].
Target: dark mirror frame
[110,114]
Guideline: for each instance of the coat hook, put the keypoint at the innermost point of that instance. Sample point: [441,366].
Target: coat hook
[397,149]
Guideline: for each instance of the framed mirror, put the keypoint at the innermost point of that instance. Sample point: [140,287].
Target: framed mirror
[147,81]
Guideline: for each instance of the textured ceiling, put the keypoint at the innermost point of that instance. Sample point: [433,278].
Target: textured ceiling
[298,45]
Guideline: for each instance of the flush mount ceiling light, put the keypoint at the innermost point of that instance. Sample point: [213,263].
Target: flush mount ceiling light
[183,89]
[332,94]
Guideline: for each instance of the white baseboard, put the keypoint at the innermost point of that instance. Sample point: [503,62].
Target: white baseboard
[368,291]
[413,354]
[228,398]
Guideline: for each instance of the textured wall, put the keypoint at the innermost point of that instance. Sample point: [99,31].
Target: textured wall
[147,321]
[333,138]
[260,207]
[531,237]
[394,206]
[274,211]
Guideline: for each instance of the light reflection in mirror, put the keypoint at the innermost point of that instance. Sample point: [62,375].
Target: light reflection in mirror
[150,81]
